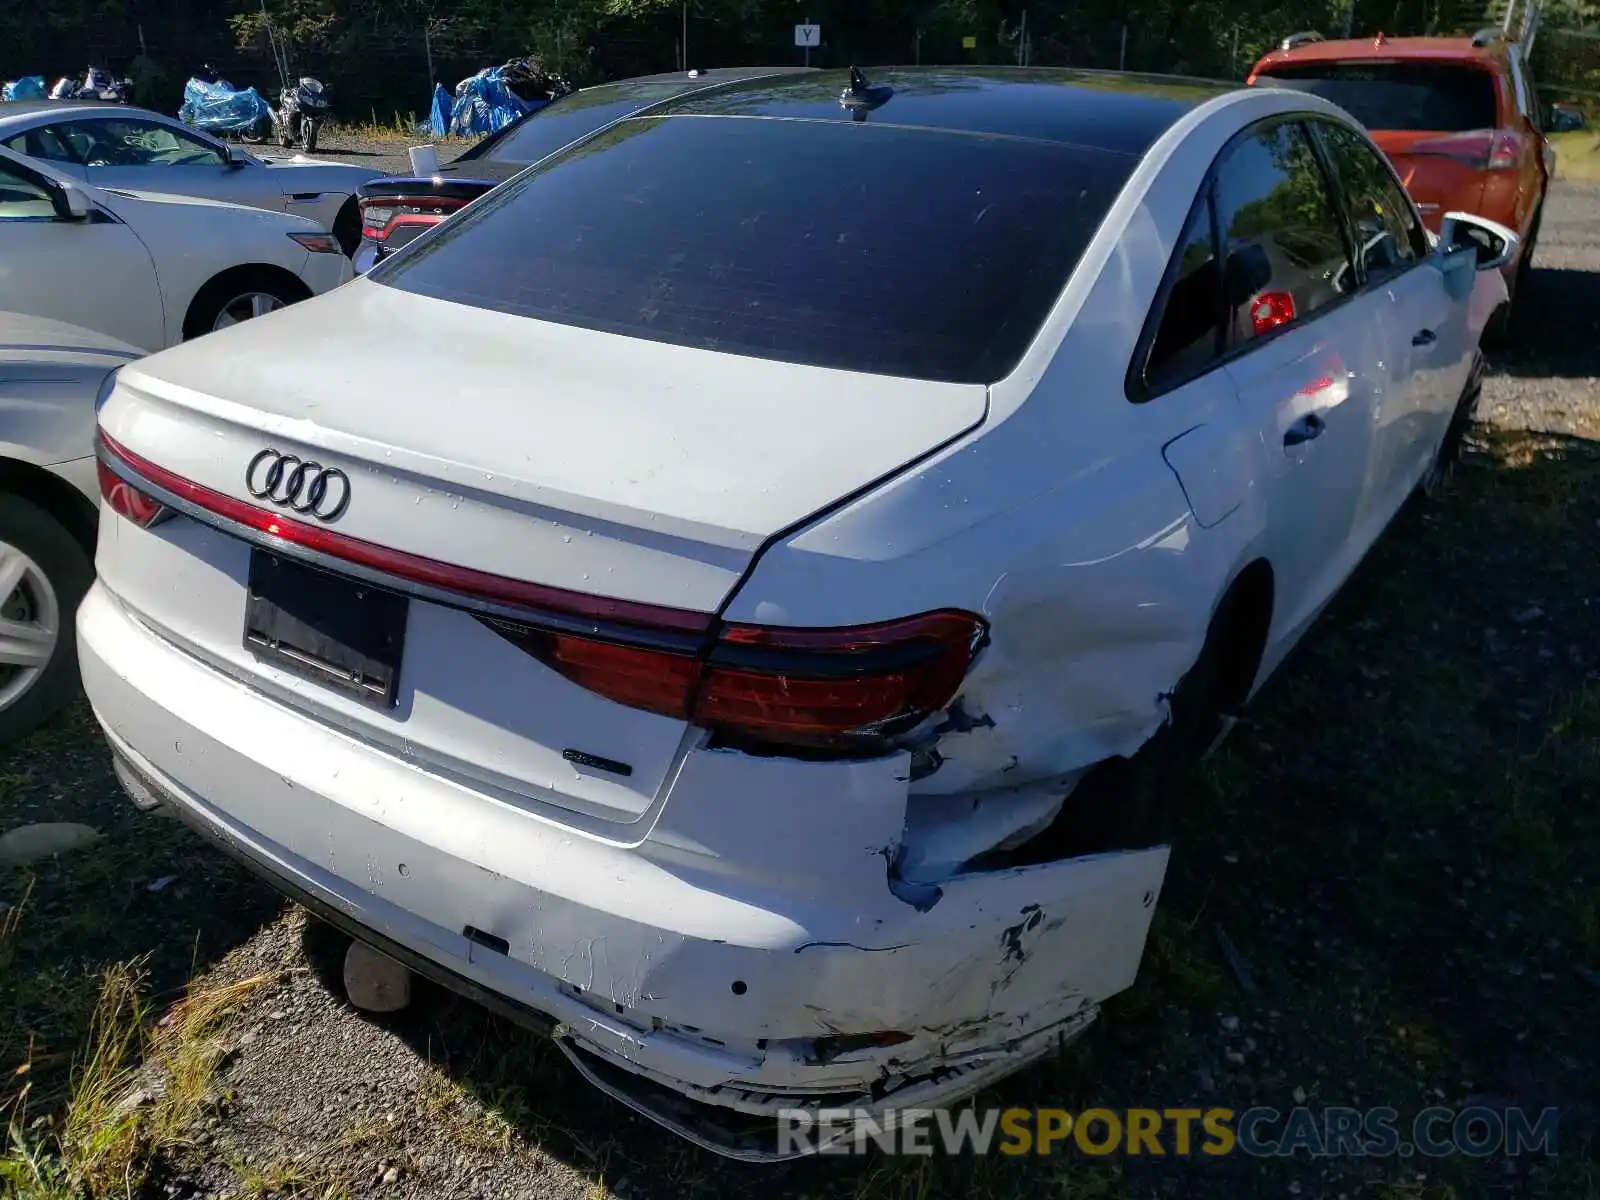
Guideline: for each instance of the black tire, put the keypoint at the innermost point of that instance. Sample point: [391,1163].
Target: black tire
[69,570]
[1448,456]
[255,135]
[216,295]
[347,228]
[308,135]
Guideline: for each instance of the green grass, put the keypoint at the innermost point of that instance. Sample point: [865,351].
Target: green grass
[398,127]
[1577,155]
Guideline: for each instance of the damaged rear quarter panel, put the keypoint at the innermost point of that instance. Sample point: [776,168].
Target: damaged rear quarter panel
[1063,525]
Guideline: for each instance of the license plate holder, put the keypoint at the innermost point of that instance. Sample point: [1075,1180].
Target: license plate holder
[343,634]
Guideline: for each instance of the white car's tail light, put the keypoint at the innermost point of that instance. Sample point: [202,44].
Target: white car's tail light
[840,690]
[128,501]
[318,243]
[837,689]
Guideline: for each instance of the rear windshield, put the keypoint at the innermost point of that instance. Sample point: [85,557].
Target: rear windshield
[1409,95]
[890,250]
[571,117]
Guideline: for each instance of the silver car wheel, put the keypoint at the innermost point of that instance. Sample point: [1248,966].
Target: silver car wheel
[243,308]
[30,624]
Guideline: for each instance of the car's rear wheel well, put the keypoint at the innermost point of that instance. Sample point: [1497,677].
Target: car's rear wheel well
[1242,620]
[55,496]
[346,227]
[1129,802]
[234,281]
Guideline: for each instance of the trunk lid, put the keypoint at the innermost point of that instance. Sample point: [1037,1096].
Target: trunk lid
[534,452]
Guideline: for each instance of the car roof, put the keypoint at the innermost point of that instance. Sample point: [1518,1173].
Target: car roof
[1105,110]
[1387,49]
[15,109]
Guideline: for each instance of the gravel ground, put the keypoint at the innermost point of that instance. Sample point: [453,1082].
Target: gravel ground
[386,155]
[1401,844]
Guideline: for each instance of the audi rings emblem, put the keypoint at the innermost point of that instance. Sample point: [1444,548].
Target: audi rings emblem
[300,486]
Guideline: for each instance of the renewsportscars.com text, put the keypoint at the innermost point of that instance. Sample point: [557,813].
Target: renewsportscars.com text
[1478,1132]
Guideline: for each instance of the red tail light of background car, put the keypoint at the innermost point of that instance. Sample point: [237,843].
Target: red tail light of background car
[382,216]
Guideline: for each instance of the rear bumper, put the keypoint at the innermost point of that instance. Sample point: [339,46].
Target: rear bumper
[705,1001]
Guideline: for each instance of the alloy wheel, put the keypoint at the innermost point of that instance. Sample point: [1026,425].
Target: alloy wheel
[245,307]
[30,623]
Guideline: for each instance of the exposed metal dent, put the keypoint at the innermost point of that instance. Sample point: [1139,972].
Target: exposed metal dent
[919,895]
[957,720]
[944,832]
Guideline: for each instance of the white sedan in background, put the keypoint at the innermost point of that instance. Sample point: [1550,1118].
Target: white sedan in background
[50,373]
[114,146]
[150,269]
[772,673]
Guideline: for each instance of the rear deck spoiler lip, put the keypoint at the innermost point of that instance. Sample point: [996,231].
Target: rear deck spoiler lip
[407,185]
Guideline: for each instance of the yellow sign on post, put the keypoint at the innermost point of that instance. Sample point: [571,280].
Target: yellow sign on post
[969,42]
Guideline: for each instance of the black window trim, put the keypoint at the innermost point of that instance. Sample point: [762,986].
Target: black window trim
[1135,386]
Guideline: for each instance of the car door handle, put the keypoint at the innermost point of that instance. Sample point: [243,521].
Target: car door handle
[1307,427]
[1424,337]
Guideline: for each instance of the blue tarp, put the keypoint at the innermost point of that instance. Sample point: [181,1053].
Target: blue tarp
[484,104]
[218,107]
[29,87]
[443,108]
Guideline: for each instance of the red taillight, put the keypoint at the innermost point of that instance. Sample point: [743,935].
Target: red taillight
[1505,151]
[1480,149]
[382,215]
[656,680]
[1270,310]
[820,686]
[126,500]
[837,689]
[816,688]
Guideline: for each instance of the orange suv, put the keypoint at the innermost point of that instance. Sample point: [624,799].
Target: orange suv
[1457,116]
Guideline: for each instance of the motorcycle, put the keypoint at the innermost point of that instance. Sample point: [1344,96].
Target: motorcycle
[97,84]
[214,105]
[301,112]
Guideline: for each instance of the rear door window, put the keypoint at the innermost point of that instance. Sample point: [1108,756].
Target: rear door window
[1284,246]
[1419,96]
[866,247]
